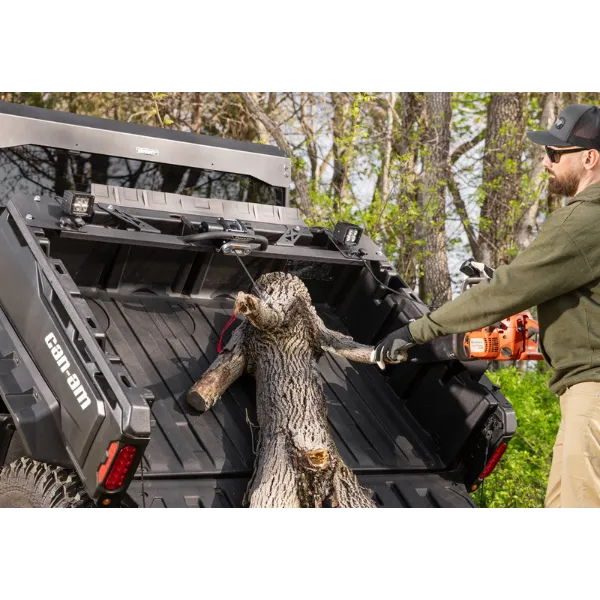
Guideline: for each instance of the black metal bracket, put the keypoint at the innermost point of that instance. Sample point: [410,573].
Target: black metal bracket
[188,226]
[69,222]
[290,237]
[131,221]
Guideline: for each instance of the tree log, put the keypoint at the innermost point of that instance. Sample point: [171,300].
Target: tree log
[297,463]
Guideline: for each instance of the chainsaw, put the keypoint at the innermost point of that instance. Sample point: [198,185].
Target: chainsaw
[513,338]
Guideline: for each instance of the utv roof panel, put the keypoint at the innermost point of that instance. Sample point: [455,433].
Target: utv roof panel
[21,125]
[56,116]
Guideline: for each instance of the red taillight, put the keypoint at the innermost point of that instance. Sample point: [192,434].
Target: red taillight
[120,467]
[110,454]
[491,465]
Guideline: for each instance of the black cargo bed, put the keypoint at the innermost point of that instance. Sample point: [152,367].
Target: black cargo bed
[167,344]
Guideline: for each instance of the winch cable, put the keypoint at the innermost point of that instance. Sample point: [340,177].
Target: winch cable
[233,317]
[254,284]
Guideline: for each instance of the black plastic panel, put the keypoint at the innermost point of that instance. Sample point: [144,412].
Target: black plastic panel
[24,394]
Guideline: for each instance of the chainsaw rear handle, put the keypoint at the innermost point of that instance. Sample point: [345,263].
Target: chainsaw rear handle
[471,268]
[222,236]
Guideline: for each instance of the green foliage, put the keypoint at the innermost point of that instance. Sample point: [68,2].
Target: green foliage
[38,99]
[326,213]
[521,477]
[468,108]
[534,113]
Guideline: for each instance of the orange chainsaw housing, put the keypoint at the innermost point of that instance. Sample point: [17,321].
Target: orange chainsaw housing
[514,338]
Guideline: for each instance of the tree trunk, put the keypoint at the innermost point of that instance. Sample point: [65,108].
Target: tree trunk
[197,109]
[297,462]
[305,120]
[435,288]
[339,180]
[501,176]
[407,143]
[387,148]
[260,117]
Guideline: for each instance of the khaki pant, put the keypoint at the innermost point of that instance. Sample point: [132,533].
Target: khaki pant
[575,474]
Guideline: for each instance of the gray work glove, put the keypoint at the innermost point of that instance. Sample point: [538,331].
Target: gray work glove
[392,349]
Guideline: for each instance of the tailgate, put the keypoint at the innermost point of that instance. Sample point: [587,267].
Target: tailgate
[427,490]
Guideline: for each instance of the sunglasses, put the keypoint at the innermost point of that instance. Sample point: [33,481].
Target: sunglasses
[554,155]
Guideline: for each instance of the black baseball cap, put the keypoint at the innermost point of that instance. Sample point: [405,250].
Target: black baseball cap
[577,125]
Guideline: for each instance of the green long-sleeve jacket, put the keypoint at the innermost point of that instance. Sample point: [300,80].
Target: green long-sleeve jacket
[560,273]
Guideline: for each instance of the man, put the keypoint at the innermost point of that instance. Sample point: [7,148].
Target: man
[560,273]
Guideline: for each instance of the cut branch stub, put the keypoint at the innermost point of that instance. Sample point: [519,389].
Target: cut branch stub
[297,463]
[318,458]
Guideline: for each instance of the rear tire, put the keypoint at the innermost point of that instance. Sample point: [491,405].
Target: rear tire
[27,483]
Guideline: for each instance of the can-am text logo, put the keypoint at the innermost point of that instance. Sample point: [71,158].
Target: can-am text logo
[64,366]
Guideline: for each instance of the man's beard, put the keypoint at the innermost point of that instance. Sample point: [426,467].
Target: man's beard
[565,186]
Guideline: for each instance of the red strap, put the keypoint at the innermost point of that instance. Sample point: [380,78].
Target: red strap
[227,326]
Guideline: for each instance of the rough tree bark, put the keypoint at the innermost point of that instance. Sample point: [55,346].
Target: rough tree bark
[297,462]
[339,179]
[435,282]
[407,141]
[387,147]
[301,106]
[501,176]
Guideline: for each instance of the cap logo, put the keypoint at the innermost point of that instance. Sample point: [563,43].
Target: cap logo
[559,123]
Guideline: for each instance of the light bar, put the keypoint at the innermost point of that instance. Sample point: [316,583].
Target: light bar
[347,233]
[78,204]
